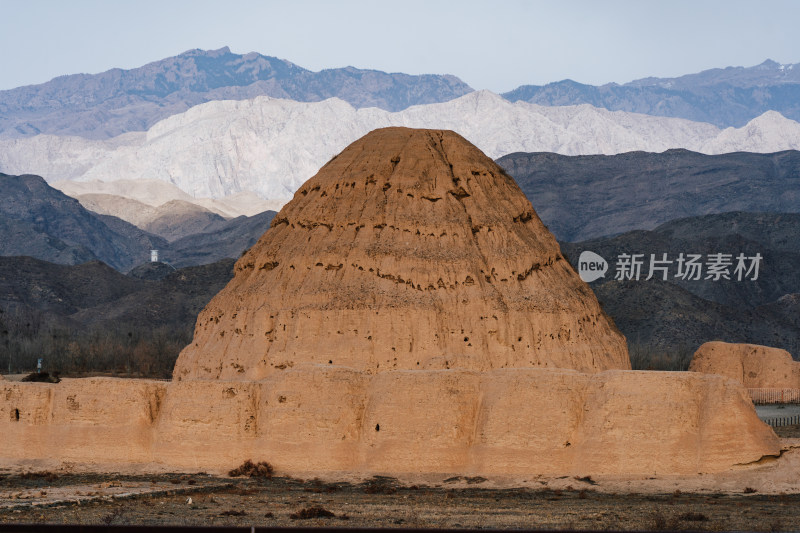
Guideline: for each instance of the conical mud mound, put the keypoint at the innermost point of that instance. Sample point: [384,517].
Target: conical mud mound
[411,249]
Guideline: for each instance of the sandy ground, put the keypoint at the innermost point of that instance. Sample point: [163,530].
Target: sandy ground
[763,497]
[384,502]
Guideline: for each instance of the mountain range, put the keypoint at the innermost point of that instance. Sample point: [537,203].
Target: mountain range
[726,97]
[584,197]
[100,106]
[42,222]
[269,146]
[170,220]
[39,221]
[227,239]
[105,105]
[93,294]
[114,198]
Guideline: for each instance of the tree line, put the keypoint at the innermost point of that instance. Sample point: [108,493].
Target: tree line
[124,349]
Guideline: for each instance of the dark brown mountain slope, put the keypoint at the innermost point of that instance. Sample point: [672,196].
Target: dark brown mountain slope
[584,197]
[90,317]
[37,220]
[679,315]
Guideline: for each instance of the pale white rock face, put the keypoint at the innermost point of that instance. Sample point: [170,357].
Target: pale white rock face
[265,148]
[770,129]
[60,158]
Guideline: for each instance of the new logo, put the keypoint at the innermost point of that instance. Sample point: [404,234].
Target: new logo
[591,266]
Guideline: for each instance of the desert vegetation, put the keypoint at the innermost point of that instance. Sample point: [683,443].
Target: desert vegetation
[137,351]
[647,357]
[250,469]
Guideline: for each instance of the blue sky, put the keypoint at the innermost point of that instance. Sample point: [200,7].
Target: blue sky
[490,45]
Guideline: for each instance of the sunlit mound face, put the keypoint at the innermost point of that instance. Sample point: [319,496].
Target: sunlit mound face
[409,250]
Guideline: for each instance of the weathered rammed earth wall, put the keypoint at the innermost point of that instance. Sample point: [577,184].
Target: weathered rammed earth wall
[753,365]
[326,419]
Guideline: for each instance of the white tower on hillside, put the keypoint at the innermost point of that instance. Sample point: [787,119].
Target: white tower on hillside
[154,256]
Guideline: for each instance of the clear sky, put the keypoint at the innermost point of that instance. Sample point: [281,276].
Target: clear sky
[495,45]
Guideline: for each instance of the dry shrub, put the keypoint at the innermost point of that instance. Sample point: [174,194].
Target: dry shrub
[381,485]
[261,469]
[646,357]
[311,512]
[379,488]
[42,377]
[693,517]
[321,489]
[662,523]
[232,512]
[47,476]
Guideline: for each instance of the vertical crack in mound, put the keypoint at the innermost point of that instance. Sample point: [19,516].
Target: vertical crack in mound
[400,247]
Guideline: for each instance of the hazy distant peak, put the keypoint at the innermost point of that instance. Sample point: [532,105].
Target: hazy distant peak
[483,96]
[725,97]
[219,52]
[104,105]
[770,117]
[768,64]
[764,73]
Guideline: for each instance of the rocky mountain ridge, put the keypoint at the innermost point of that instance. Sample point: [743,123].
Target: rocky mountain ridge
[100,106]
[42,222]
[37,220]
[269,147]
[640,190]
[729,97]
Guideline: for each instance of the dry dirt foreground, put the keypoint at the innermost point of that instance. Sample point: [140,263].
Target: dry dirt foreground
[764,498]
